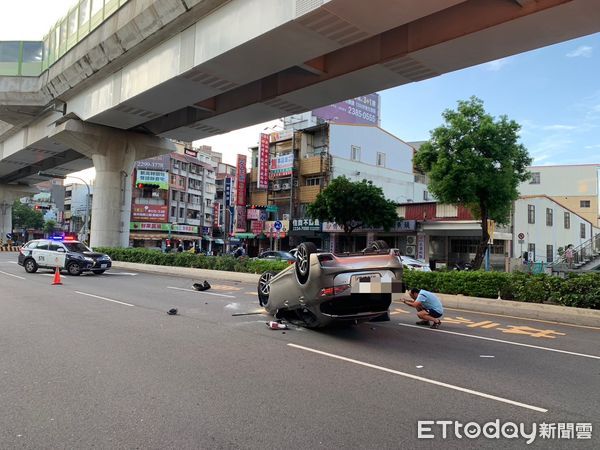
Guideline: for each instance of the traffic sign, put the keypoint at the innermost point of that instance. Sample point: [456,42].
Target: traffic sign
[278,225]
[521,236]
[272,208]
[521,241]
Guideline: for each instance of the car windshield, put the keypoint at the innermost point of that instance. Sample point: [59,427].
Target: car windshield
[76,247]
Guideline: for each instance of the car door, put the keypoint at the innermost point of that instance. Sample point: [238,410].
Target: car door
[57,254]
[41,254]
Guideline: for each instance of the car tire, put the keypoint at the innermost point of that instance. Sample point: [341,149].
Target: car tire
[264,288]
[74,269]
[379,245]
[99,272]
[30,266]
[302,263]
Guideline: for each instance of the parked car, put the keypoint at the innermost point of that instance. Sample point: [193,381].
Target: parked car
[78,258]
[321,288]
[278,255]
[415,264]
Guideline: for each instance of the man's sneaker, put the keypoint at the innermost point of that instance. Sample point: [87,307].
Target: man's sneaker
[423,322]
[436,325]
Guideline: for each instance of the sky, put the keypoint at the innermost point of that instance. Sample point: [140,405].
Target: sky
[553,93]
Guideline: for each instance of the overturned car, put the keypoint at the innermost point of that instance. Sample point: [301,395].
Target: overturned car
[321,288]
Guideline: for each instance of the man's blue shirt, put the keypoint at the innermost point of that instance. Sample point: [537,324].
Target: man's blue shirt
[430,301]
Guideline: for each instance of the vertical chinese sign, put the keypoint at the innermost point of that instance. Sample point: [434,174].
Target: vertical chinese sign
[241,180]
[262,180]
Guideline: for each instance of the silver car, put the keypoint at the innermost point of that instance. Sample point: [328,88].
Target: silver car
[323,287]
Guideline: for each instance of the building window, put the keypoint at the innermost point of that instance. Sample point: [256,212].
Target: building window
[549,253]
[567,220]
[531,249]
[425,195]
[535,178]
[174,196]
[381,159]
[173,211]
[355,153]
[530,213]
[549,220]
[584,203]
[181,213]
[582,230]
[314,181]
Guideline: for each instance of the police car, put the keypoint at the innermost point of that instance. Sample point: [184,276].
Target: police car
[63,252]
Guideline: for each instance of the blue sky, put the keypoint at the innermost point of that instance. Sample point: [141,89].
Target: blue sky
[553,92]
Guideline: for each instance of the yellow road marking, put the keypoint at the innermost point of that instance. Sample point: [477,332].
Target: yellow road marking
[479,324]
[533,332]
[251,293]
[224,287]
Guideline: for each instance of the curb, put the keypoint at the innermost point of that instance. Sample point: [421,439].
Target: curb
[9,248]
[551,313]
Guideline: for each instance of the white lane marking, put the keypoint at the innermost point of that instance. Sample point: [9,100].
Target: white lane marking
[502,341]
[419,367]
[11,275]
[131,274]
[486,356]
[425,380]
[104,298]
[202,292]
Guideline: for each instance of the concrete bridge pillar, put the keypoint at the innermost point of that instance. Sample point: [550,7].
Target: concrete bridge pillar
[114,153]
[8,194]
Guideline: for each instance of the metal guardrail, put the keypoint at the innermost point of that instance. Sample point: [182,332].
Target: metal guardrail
[582,255]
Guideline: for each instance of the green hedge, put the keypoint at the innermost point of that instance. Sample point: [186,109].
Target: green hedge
[582,290]
[185,259]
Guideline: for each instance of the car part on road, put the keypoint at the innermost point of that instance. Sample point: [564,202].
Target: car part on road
[172,312]
[276,325]
[201,286]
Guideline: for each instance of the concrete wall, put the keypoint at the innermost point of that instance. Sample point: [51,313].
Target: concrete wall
[542,235]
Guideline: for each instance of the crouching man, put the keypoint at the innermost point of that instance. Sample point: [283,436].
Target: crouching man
[428,305]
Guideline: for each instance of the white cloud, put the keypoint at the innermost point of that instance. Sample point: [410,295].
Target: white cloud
[558,127]
[496,65]
[582,50]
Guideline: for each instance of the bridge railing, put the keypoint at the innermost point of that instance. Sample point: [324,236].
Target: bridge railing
[31,58]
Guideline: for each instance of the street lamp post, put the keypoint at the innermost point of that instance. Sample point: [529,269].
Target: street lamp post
[85,228]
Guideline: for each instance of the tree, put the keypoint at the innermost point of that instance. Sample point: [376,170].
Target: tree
[475,160]
[49,227]
[352,205]
[25,217]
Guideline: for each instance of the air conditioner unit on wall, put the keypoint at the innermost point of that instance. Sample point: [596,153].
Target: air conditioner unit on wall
[276,187]
[410,250]
[296,183]
[285,186]
[411,240]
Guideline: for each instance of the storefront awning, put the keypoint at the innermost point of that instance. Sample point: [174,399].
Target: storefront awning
[207,238]
[219,241]
[158,237]
[245,235]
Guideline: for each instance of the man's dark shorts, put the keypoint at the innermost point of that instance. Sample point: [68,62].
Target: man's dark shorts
[433,313]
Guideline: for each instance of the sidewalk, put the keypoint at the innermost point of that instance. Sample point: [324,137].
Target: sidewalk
[552,313]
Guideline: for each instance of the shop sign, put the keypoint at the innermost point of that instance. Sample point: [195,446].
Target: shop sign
[282,166]
[262,180]
[240,218]
[306,225]
[150,213]
[270,225]
[147,226]
[256,226]
[253,214]
[359,110]
[161,179]
[228,191]
[401,225]
[421,247]
[241,180]
[190,152]
[216,214]
[283,135]
[158,163]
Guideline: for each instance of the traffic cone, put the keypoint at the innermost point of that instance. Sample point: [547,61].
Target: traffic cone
[56,277]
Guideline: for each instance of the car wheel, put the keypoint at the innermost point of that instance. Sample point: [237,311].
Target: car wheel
[264,288]
[380,245]
[99,272]
[30,266]
[303,260]
[74,269]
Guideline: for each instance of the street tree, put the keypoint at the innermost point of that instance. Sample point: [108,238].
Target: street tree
[353,204]
[25,217]
[475,160]
[49,227]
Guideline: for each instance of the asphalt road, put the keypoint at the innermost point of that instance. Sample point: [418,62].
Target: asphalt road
[97,362]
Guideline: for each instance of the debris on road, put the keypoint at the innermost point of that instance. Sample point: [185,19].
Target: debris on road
[276,325]
[201,286]
[172,312]
[247,313]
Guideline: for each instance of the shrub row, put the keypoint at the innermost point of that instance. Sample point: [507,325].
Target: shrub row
[185,259]
[582,291]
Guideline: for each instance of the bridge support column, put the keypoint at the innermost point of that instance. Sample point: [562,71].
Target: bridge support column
[8,194]
[113,153]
